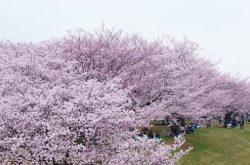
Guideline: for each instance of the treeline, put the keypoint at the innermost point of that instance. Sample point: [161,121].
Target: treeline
[82,98]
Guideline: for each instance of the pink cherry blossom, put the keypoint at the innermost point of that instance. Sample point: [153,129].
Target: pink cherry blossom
[82,98]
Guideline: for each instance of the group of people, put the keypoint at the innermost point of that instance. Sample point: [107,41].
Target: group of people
[233,121]
[149,133]
[175,130]
[179,126]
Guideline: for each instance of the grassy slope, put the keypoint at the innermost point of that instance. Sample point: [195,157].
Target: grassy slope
[218,146]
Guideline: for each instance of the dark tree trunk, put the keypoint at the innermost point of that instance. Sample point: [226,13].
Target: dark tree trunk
[227,118]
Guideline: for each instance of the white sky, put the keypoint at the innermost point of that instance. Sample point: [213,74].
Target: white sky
[220,27]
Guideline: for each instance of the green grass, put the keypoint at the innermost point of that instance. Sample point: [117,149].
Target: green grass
[218,146]
[215,146]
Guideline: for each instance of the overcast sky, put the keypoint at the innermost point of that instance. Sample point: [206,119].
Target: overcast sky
[220,27]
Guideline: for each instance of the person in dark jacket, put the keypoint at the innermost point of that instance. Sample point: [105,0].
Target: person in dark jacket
[242,122]
[190,129]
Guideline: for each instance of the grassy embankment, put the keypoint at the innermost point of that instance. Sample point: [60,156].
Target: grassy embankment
[217,146]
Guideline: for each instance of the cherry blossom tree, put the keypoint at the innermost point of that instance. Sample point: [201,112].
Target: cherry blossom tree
[83,98]
[53,113]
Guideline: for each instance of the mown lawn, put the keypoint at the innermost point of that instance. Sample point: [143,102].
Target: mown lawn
[218,146]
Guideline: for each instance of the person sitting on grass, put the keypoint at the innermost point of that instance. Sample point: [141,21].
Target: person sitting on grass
[157,135]
[234,124]
[182,130]
[174,130]
[190,129]
[140,134]
[195,125]
[150,134]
